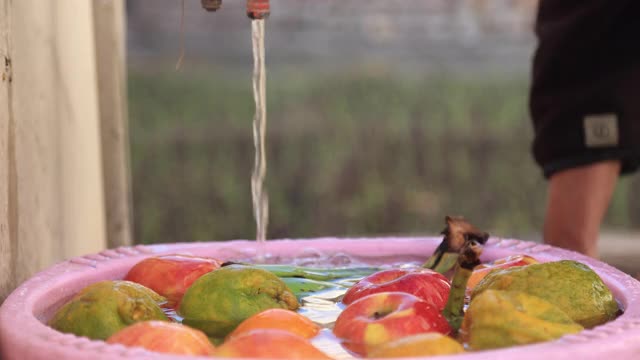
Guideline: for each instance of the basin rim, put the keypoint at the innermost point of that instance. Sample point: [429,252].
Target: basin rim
[23,335]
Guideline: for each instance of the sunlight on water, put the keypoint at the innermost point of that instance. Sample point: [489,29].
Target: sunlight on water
[323,308]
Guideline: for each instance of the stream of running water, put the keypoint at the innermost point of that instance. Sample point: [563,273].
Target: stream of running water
[258,189]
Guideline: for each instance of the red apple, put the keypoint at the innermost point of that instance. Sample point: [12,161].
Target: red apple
[426,284]
[269,344]
[382,317]
[504,263]
[164,337]
[171,275]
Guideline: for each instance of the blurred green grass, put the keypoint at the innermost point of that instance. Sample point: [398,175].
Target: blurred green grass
[349,154]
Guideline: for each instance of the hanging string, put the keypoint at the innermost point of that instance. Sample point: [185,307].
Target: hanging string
[182,51]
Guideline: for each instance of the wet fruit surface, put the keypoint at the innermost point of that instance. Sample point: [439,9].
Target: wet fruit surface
[571,286]
[382,317]
[101,309]
[497,319]
[164,337]
[269,344]
[427,344]
[504,263]
[423,283]
[171,275]
[282,319]
[219,301]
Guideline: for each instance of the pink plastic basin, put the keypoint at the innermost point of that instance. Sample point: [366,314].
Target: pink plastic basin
[24,335]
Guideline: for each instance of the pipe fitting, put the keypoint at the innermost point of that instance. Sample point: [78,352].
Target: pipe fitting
[211,5]
[258,9]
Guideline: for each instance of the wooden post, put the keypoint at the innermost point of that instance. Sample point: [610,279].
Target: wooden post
[7,276]
[53,97]
[110,40]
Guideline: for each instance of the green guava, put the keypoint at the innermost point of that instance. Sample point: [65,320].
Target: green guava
[497,319]
[220,300]
[103,308]
[571,286]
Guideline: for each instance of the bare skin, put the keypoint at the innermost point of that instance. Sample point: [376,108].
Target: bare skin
[577,200]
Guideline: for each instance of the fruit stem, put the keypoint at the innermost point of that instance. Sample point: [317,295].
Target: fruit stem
[468,259]
[447,262]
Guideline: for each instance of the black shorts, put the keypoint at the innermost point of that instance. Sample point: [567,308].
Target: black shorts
[585,92]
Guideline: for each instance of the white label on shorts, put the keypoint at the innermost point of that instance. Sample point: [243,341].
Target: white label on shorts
[601,130]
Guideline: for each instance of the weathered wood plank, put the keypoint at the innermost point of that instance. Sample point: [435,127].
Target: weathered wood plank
[36,144]
[6,125]
[51,188]
[110,50]
[75,84]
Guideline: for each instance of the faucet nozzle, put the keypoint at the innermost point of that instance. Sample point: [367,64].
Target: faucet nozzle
[258,9]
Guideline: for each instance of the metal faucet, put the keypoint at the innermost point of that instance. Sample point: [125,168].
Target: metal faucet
[256,9]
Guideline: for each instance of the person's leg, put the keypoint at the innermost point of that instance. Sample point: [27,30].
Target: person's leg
[585,113]
[577,201]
